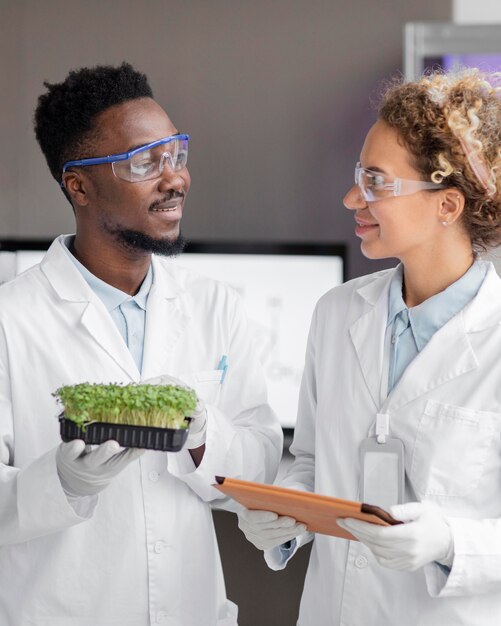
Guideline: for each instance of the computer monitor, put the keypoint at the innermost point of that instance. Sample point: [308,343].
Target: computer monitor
[434,45]
[279,283]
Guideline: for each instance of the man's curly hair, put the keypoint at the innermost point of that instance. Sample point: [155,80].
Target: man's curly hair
[451,124]
[65,115]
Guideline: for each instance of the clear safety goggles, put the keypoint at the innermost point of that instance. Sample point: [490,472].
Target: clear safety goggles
[376,186]
[143,163]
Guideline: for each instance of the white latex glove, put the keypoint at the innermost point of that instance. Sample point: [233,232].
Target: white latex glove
[198,423]
[423,538]
[266,529]
[87,473]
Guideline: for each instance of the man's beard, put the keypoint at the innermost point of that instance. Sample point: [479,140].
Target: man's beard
[135,240]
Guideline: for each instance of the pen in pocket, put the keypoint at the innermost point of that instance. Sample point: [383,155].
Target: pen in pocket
[223,366]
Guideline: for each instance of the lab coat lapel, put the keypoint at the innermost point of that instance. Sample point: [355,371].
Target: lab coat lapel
[449,353]
[368,332]
[89,311]
[165,323]
[98,323]
[447,356]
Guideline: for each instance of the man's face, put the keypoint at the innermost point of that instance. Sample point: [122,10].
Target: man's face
[143,216]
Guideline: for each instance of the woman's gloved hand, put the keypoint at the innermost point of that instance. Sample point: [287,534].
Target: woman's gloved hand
[266,530]
[198,423]
[87,473]
[423,538]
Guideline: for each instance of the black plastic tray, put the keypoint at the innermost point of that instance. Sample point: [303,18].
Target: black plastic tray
[165,439]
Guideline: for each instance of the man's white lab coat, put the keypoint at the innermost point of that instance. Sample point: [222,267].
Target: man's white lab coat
[446,409]
[144,551]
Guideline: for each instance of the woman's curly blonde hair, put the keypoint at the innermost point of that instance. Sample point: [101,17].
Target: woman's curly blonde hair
[451,124]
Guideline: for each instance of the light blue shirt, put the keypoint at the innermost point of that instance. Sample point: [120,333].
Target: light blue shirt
[411,329]
[128,312]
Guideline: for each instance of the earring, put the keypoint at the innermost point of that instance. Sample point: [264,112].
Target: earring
[445,223]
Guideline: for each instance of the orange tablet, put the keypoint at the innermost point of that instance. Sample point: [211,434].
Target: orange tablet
[319,513]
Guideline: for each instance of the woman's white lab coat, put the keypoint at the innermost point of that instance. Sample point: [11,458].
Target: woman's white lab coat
[446,409]
[143,552]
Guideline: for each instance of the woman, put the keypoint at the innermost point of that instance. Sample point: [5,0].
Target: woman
[407,362]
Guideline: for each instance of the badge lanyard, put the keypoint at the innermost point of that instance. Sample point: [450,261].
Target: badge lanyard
[382,457]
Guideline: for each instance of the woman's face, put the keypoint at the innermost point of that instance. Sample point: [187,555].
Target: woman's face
[396,226]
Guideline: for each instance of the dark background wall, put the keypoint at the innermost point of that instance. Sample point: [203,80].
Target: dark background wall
[275,95]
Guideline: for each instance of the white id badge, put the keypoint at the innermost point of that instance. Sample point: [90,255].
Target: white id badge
[382,477]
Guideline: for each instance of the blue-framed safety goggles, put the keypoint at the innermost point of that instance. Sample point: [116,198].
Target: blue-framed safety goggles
[143,163]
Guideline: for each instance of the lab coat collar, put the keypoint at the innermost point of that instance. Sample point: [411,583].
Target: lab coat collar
[63,275]
[164,321]
[87,308]
[70,285]
[377,289]
[164,281]
[484,311]
[111,297]
[368,331]
[449,354]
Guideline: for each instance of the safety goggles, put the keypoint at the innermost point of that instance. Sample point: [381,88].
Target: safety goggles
[376,186]
[143,163]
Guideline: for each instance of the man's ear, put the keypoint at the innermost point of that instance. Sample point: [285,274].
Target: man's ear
[76,186]
[451,206]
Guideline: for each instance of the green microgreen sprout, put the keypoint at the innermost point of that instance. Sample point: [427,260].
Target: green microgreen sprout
[159,406]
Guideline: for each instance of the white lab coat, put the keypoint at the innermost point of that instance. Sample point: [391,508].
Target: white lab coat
[446,409]
[144,551]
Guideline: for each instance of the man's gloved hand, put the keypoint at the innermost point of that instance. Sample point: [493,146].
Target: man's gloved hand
[267,530]
[423,538]
[198,423]
[87,473]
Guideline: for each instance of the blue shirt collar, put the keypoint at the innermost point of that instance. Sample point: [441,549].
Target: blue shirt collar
[396,302]
[429,316]
[109,295]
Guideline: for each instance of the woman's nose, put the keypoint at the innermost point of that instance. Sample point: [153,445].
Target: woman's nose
[353,199]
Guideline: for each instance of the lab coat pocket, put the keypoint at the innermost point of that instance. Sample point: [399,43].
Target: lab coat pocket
[451,449]
[207,384]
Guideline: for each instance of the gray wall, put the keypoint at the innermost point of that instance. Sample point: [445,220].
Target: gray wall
[275,94]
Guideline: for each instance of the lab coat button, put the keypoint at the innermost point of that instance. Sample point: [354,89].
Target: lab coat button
[153,476]
[159,546]
[393,338]
[361,561]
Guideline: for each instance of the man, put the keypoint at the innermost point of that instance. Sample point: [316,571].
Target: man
[111,536]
